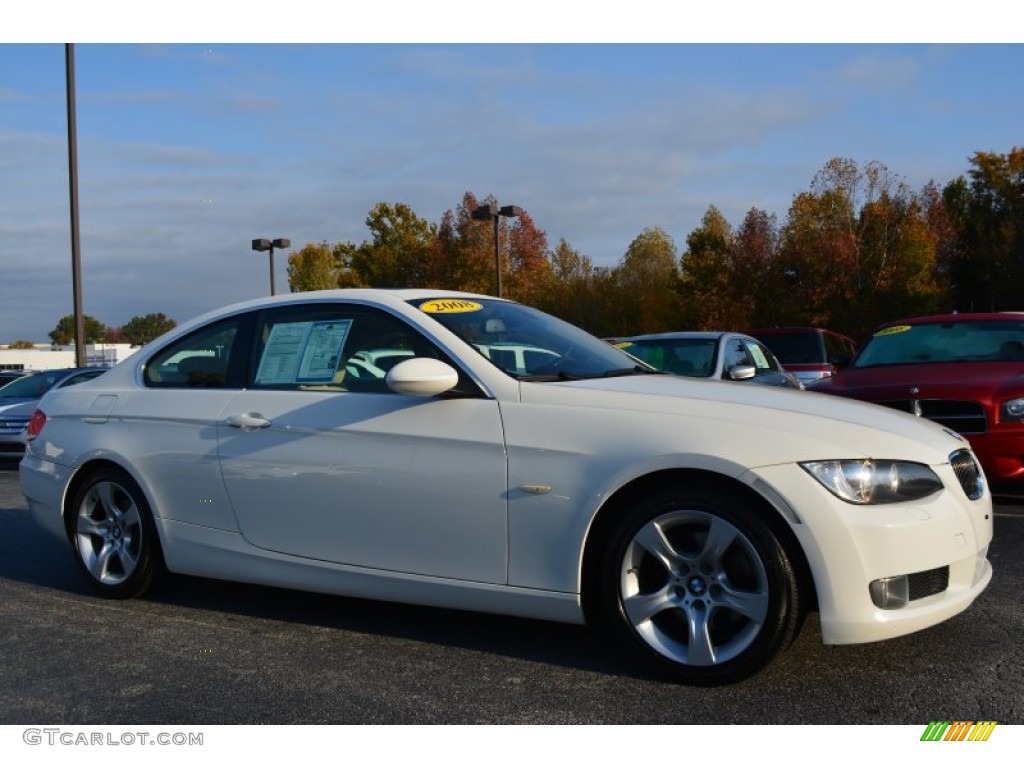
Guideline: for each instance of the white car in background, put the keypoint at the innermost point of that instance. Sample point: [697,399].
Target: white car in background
[700,519]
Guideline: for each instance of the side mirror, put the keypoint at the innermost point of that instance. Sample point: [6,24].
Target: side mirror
[422,377]
[741,372]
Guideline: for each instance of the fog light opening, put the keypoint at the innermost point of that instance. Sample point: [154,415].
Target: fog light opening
[890,593]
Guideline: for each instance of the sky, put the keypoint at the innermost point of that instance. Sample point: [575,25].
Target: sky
[189,148]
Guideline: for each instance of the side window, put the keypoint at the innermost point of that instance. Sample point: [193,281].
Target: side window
[80,378]
[201,359]
[763,359]
[343,348]
[736,354]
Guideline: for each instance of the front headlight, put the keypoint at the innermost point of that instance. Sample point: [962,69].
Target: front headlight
[1012,410]
[867,481]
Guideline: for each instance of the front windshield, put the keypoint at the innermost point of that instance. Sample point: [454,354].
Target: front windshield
[527,343]
[684,357]
[966,341]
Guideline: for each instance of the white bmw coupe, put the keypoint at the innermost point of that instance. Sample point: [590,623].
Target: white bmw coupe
[464,451]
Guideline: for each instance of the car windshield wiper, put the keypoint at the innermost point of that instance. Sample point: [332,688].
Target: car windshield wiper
[560,376]
[635,370]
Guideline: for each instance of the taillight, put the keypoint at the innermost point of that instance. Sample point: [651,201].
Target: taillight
[35,425]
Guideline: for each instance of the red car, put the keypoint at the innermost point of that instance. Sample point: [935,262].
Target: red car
[965,372]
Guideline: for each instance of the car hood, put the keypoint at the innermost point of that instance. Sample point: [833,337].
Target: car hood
[961,381]
[799,425]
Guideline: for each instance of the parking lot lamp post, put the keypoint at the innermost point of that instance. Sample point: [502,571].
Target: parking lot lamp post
[492,211]
[262,244]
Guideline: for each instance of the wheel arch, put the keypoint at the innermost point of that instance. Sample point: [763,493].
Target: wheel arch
[82,474]
[609,513]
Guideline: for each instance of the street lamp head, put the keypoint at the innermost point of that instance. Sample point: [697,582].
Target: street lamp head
[485,212]
[511,210]
[261,244]
[282,242]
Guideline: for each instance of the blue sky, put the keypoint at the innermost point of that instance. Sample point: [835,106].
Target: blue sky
[188,151]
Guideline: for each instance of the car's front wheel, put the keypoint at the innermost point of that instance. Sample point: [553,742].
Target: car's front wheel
[698,583]
[112,533]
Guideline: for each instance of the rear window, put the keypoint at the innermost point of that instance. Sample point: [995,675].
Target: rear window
[796,348]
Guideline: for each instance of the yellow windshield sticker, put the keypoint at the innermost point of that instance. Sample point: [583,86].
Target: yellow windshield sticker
[893,329]
[442,306]
[624,344]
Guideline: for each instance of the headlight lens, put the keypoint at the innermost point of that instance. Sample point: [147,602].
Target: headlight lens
[1012,410]
[867,481]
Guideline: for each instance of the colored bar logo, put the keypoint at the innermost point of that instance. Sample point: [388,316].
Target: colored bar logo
[958,730]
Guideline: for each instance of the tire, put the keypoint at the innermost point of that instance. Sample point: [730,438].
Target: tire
[112,534]
[697,583]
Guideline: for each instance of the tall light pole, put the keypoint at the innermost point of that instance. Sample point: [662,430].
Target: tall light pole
[76,268]
[262,244]
[492,211]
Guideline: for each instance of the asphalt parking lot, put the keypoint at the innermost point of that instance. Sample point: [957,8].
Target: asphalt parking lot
[200,651]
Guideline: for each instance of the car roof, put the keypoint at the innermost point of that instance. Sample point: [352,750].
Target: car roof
[707,335]
[793,329]
[954,317]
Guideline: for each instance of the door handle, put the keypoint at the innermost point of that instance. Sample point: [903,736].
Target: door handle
[247,421]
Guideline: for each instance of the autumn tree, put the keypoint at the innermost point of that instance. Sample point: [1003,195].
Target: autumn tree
[758,283]
[529,271]
[462,258]
[64,332]
[144,328]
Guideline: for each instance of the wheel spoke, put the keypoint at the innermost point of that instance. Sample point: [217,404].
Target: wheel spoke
[753,605]
[89,527]
[105,498]
[652,539]
[99,564]
[130,519]
[640,608]
[700,650]
[720,536]
[128,560]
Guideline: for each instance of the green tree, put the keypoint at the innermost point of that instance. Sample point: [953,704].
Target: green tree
[312,268]
[706,282]
[21,344]
[987,272]
[142,329]
[649,282]
[399,252]
[64,332]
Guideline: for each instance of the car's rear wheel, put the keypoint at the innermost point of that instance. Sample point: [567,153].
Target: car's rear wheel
[698,583]
[112,533]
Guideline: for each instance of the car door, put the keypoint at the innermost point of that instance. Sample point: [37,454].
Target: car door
[741,351]
[322,461]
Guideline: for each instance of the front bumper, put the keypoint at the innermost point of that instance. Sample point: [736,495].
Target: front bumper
[849,546]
